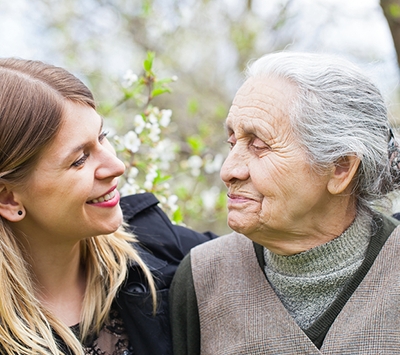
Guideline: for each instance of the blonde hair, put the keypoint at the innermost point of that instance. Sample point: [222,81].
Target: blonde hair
[32,96]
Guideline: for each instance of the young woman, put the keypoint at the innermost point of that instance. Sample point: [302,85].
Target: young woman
[71,280]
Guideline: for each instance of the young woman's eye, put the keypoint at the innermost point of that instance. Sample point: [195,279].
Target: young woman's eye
[103,135]
[80,161]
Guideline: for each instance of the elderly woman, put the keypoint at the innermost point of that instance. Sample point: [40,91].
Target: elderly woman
[312,266]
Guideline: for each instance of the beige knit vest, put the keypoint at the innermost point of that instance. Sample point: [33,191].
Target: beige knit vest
[240,313]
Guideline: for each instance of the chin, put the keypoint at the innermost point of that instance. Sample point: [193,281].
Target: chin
[237,227]
[115,226]
[111,225]
[241,224]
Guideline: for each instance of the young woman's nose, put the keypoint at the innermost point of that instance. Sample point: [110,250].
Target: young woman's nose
[110,166]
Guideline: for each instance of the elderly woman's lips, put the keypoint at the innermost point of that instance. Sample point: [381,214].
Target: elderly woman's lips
[238,198]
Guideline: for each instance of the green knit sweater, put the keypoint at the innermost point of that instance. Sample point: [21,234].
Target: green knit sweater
[307,283]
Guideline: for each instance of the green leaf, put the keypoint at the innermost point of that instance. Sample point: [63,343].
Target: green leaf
[159,91]
[193,106]
[147,7]
[196,143]
[177,217]
[161,178]
[148,62]
[164,81]
[394,10]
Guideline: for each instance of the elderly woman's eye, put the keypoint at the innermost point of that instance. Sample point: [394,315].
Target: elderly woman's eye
[231,144]
[258,144]
[255,146]
[231,141]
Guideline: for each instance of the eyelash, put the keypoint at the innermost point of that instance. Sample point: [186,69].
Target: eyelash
[255,147]
[82,160]
[230,142]
[103,135]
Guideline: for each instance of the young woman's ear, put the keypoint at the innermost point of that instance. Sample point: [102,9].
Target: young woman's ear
[342,174]
[10,207]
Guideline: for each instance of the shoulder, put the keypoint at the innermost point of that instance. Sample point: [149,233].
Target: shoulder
[223,253]
[135,204]
[154,230]
[211,256]
[229,243]
[388,226]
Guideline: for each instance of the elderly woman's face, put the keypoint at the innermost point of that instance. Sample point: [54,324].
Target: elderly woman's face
[271,187]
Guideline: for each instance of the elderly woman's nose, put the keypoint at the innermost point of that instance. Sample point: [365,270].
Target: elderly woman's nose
[234,167]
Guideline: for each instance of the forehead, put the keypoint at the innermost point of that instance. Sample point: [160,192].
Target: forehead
[261,103]
[80,125]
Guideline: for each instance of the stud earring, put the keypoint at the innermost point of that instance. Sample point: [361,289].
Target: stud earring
[20,212]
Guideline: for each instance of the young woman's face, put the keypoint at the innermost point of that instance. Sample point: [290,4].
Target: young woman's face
[71,194]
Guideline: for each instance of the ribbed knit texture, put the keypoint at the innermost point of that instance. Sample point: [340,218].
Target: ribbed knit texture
[307,283]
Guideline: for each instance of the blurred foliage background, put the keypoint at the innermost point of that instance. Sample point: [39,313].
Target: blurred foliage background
[168,70]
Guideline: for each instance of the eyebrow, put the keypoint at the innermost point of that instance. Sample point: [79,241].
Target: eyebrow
[83,145]
[247,130]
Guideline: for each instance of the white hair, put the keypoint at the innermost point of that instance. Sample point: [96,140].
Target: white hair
[337,112]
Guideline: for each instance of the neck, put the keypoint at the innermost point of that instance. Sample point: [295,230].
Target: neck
[60,279]
[311,231]
[307,283]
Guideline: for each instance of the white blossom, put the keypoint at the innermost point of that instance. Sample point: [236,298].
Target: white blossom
[164,152]
[148,185]
[195,163]
[118,143]
[129,78]
[132,141]
[171,202]
[150,176]
[133,173]
[214,165]
[165,118]
[209,197]
[139,124]
[128,189]
[155,131]
[153,119]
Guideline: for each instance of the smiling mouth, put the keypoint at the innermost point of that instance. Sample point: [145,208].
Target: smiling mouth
[106,197]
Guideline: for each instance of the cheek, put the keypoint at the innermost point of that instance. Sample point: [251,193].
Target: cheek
[274,175]
[263,176]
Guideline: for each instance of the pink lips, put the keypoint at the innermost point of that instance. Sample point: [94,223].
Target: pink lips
[110,199]
[109,203]
[237,198]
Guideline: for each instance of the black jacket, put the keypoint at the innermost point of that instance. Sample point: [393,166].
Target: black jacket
[162,246]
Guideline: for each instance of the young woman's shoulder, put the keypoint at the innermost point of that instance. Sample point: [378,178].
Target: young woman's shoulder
[155,231]
[162,245]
